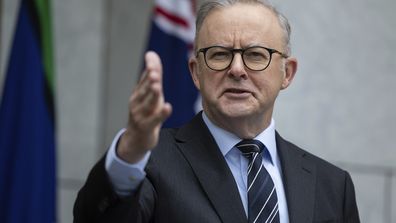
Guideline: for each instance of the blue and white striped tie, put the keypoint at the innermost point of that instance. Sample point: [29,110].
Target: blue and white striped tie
[262,198]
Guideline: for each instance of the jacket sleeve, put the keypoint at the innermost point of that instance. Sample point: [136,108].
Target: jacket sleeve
[97,202]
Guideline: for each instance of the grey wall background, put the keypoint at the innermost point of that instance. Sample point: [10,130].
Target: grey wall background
[341,105]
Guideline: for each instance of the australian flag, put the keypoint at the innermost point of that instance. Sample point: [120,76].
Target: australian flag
[172,37]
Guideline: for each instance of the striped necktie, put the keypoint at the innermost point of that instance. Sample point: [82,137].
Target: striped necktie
[262,199]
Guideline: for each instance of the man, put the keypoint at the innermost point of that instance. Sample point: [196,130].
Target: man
[228,164]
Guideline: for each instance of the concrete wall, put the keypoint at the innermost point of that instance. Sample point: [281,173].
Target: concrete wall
[339,107]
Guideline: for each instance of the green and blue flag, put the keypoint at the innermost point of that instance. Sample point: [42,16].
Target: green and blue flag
[27,121]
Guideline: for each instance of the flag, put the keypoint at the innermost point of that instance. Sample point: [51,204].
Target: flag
[172,36]
[27,126]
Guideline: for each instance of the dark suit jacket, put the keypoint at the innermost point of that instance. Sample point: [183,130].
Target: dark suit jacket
[189,181]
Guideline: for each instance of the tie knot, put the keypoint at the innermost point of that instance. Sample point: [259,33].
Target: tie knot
[249,146]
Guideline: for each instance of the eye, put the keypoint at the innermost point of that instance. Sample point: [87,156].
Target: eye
[218,53]
[256,55]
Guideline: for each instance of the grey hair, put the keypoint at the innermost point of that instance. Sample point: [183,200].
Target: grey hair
[208,5]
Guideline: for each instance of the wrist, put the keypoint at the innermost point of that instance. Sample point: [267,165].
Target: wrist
[128,150]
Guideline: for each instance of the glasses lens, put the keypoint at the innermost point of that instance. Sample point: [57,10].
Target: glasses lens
[218,58]
[256,58]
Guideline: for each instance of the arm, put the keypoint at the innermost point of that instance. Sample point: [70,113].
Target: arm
[147,112]
[97,201]
[125,177]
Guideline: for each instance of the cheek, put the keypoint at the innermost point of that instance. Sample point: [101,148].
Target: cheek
[268,87]
[209,80]
[199,77]
[207,84]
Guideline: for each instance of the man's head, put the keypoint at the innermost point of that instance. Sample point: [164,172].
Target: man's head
[208,6]
[239,87]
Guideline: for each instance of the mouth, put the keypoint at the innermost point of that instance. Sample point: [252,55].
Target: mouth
[237,93]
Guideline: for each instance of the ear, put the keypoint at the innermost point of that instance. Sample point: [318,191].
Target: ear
[193,66]
[290,71]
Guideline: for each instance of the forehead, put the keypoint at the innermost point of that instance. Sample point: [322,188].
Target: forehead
[240,25]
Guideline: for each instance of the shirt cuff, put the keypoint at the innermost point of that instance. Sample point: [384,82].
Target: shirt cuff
[124,176]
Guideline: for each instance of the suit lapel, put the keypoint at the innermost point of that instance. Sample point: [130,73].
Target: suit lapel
[299,177]
[201,151]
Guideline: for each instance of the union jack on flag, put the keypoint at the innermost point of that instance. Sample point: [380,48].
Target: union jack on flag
[172,36]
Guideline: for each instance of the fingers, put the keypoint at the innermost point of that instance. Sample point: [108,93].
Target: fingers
[151,75]
[148,101]
[153,62]
[147,111]
[147,105]
[163,114]
[149,84]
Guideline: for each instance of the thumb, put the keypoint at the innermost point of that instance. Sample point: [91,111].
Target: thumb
[153,62]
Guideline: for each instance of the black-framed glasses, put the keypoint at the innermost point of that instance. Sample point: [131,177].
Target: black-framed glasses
[256,58]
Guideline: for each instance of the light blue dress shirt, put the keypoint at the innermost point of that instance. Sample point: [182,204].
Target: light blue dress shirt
[127,177]
[238,163]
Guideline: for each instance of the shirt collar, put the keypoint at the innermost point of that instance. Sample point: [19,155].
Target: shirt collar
[226,140]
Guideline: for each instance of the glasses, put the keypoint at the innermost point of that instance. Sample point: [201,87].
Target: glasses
[256,58]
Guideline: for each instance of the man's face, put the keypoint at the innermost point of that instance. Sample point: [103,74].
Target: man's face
[238,92]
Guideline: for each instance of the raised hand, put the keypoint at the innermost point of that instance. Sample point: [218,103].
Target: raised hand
[147,111]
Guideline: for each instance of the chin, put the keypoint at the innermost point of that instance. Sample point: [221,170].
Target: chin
[238,111]
[230,109]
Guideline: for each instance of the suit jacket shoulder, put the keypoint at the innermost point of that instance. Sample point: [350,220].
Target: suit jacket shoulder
[316,190]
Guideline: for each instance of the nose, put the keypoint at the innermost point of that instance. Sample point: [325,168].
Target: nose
[237,68]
